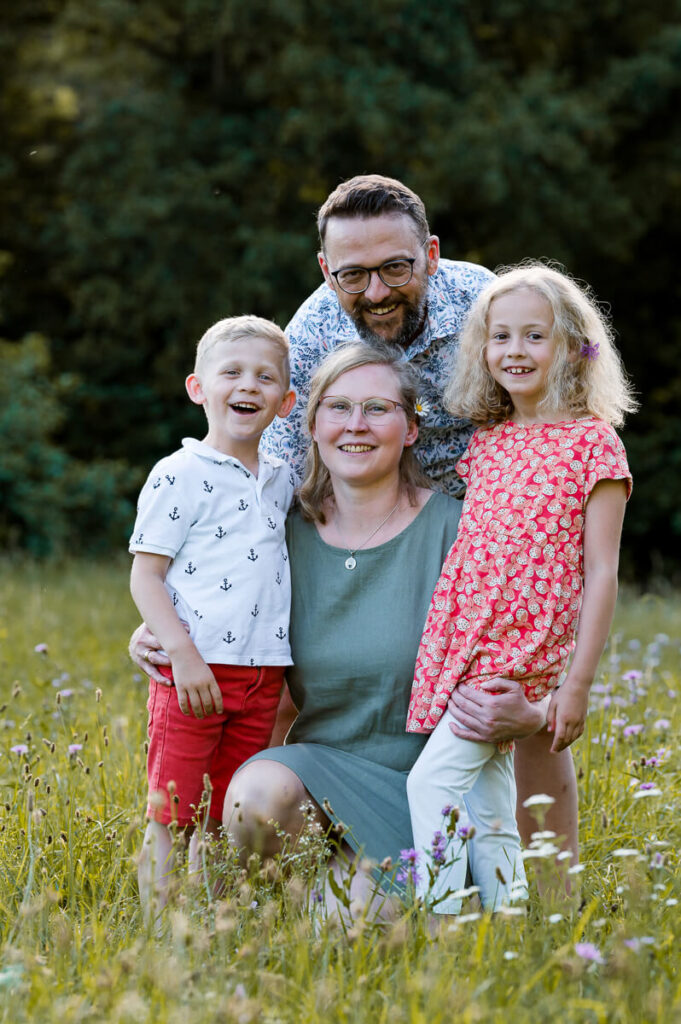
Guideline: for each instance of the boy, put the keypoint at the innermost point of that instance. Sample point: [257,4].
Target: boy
[210,576]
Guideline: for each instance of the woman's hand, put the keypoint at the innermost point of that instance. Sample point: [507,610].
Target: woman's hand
[145,651]
[497,712]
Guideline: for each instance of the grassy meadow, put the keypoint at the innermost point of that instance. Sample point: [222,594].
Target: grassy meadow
[72,782]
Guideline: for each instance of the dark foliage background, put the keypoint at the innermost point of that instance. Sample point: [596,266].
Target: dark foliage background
[161,167]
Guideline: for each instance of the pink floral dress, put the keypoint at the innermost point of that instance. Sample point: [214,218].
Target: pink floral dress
[508,598]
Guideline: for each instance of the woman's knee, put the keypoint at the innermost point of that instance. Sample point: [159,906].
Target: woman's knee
[263,799]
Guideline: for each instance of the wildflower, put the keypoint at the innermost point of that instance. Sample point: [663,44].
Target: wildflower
[316,896]
[647,789]
[386,864]
[632,730]
[555,918]
[671,902]
[636,943]
[75,747]
[447,810]
[466,832]
[40,648]
[625,851]
[617,723]
[65,694]
[510,954]
[539,800]
[576,869]
[409,861]
[422,407]
[19,749]
[632,676]
[587,951]
[589,350]
[662,723]
[438,848]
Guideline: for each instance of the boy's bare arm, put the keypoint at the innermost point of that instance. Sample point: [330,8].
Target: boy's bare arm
[195,683]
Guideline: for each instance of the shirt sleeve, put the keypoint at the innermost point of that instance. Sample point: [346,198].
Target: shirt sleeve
[165,512]
[606,459]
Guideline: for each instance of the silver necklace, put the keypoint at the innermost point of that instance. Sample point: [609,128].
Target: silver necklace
[351,561]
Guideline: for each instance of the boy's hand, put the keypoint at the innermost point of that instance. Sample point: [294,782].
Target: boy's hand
[567,715]
[196,687]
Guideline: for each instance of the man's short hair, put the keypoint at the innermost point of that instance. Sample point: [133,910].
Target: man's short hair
[370,195]
[237,328]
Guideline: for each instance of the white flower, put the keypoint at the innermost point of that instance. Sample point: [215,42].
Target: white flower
[640,793]
[555,918]
[576,869]
[510,954]
[625,851]
[539,800]
[422,407]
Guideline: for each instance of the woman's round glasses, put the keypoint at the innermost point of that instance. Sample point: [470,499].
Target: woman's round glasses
[339,409]
[393,274]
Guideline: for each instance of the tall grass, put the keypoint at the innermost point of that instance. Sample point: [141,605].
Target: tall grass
[72,783]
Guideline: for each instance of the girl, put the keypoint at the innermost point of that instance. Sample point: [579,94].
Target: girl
[537,550]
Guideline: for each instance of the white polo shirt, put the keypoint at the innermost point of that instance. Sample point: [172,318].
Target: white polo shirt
[224,529]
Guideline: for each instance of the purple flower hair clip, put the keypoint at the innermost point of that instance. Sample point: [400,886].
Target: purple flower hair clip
[588,350]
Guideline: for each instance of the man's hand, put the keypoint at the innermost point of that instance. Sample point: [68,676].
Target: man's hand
[497,712]
[567,715]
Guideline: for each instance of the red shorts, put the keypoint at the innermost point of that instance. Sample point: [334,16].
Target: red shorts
[183,748]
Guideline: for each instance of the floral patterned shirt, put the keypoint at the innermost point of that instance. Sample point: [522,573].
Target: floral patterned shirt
[320,325]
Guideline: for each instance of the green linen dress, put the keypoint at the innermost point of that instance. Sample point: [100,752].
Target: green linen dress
[354,639]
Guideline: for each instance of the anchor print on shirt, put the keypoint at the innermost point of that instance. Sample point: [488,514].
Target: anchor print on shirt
[230,638]
[280,634]
[170,479]
[243,505]
[191,569]
[157,483]
[252,557]
[271,523]
[220,533]
[174,514]
[255,611]
[208,488]
[225,585]
[139,539]
[278,578]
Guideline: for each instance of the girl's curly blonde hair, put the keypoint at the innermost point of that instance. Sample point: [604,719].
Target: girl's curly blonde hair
[586,377]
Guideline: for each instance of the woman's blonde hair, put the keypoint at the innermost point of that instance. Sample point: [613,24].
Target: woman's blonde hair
[586,377]
[316,489]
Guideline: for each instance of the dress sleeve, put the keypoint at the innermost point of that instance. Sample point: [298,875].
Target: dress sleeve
[606,459]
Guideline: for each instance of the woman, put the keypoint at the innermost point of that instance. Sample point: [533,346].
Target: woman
[366,550]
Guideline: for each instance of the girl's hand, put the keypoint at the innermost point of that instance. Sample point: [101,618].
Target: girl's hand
[145,651]
[497,712]
[567,715]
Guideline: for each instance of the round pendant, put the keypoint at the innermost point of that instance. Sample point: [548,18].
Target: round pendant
[350,562]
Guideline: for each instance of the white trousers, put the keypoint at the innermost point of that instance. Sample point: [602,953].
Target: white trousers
[479,780]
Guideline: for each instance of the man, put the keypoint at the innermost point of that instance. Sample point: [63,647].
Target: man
[384,281]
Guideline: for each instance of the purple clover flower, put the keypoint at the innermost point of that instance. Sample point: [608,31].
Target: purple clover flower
[40,648]
[438,848]
[19,749]
[75,747]
[409,861]
[588,951]
[632,676]
[632,730]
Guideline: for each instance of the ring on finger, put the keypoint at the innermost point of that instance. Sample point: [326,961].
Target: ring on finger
[147,654]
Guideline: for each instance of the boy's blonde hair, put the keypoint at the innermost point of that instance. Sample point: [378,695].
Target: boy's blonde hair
[237,328]
[581,381]
[316,488]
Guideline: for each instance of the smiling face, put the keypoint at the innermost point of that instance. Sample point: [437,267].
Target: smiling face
[361,451]
[521,347]
[242,385]
[381,313]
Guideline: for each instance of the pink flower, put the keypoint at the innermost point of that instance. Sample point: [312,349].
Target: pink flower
[40,648]
[20,749]
[587,951]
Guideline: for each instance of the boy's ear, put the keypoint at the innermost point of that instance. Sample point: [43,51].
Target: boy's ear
[194,389]
[288,401]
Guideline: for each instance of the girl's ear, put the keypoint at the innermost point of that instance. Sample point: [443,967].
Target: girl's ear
[194,389]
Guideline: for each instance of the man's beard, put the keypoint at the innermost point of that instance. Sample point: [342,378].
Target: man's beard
[412,324]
